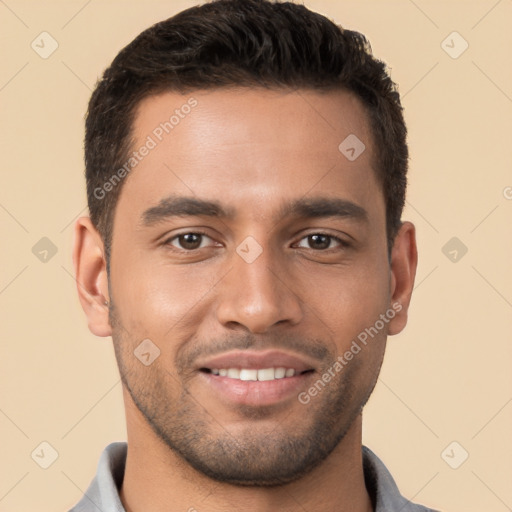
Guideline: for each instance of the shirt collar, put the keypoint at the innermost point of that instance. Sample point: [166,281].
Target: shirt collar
[103,493]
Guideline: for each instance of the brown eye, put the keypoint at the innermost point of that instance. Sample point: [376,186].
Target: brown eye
[189,241]
[319,242]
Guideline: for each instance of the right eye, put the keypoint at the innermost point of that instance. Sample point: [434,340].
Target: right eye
[190,241]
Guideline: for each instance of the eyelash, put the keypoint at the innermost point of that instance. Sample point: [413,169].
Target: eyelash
[195,232]
[342,243]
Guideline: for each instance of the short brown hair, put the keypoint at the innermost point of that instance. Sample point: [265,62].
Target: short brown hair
[253,43]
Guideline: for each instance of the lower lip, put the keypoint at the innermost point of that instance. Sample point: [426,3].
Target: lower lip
[256,393]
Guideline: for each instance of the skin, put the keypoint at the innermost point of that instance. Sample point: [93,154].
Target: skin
[253,152]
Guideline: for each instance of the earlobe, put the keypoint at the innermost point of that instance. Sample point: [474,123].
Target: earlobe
[91,276]
[404,260]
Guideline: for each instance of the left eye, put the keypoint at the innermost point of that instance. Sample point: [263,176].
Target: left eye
[320,242]
[190,241]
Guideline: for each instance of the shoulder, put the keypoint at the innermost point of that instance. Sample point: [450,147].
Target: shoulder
[103,492]
[383,489]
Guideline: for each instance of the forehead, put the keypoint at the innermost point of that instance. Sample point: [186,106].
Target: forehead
[251,148]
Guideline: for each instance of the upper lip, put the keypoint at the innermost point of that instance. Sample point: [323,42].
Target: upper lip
[257,360]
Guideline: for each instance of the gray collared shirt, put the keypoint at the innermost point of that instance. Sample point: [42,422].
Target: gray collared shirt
[103,493]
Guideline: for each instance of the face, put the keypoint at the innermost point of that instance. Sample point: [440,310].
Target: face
[250,253]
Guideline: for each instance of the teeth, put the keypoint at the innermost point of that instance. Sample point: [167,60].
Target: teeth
[248,374]
[266,374]
[254,375]
[279,373]
[234,373]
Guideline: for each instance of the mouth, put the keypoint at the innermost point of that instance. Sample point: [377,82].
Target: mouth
[255,378]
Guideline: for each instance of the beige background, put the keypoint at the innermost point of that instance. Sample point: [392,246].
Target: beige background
[446,378]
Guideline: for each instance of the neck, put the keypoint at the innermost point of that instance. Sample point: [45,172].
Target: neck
[157,479]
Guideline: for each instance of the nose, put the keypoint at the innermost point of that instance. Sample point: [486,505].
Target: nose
[257,295]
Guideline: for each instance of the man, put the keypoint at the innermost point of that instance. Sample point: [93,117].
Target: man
[246,169]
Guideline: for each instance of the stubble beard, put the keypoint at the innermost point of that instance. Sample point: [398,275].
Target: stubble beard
[251,455]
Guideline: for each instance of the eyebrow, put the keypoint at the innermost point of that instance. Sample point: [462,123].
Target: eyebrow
[325,207]
[176,206]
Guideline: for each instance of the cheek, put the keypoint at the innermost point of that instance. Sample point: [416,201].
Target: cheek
[153,298]
[361,326]
[349,301]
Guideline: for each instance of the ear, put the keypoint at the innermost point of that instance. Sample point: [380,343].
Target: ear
[91,276]
[404,260]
